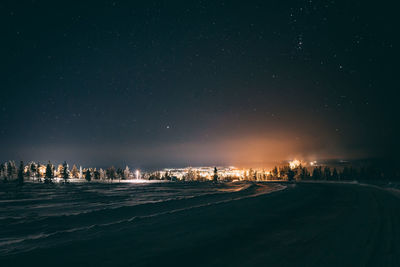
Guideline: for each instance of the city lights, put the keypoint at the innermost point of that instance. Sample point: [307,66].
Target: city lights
[294,164]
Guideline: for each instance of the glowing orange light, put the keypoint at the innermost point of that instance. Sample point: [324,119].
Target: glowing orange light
[294,164]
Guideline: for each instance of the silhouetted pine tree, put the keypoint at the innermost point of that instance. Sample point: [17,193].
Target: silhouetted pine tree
[21,173]
[348,173]
[49,173]
[33,169]
[65,172]
[28,172]
[38,173]
[215,177]
[10,170]
[120,174]
[335,175]
[327,173]
[96,175]
[290,174]
[110,172]
[275,172]
[88,176]
[3,170]
[304,175]
[285,171]
[317,173]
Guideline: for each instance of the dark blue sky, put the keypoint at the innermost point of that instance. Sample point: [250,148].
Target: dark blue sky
[172,83]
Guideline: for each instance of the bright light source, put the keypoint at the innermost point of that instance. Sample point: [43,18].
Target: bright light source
[294,164]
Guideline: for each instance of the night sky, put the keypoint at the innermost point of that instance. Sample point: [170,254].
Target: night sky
[177,83]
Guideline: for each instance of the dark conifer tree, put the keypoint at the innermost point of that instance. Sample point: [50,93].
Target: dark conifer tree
[345,175]
[3,170]
[38,171]
[167,176]
[21,173]
[49,173]
[215,177]
[88,175]
[28,173]
[65,172]
[120,174]
[33,169]
[303,173]
[111,173]
[10,170]
[327,173]
[275,172]
[96,175]
[317,173]
[335,175]
[290,174]
[283,171]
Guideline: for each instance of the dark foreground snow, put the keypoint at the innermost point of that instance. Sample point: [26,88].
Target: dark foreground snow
[304,225]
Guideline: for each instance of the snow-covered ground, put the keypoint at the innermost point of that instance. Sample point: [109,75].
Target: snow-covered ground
[202,224]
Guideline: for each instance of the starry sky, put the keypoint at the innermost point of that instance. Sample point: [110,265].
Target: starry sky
[178,83]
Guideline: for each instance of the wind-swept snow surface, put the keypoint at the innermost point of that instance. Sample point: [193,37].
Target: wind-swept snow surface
[221,225]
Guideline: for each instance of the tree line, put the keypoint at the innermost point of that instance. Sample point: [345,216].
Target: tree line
[46,173]
[346,173]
